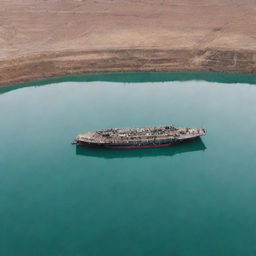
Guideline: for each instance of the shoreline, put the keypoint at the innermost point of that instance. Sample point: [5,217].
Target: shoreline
[27,68]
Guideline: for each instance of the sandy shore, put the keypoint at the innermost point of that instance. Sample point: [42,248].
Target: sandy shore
[40,38]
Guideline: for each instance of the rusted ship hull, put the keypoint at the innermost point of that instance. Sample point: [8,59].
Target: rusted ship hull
[134,146]
[193,146]
[80,143]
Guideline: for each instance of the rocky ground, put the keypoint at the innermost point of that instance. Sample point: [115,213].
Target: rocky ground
[45,38]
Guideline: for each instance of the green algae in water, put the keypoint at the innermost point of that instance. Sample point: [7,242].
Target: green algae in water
[190,199]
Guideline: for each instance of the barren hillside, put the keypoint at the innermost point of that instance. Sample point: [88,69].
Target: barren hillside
[43,38]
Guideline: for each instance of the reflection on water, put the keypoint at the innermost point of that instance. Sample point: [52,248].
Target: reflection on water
[142,78]
[196,145]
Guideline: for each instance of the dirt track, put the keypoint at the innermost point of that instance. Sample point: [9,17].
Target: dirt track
[44,38]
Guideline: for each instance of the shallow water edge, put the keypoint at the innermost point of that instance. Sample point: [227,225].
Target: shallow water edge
[141,77]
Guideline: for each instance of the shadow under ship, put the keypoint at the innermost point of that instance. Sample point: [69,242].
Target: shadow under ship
[130,138]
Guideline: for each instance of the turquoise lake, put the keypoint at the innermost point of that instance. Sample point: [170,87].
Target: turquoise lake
[192,199]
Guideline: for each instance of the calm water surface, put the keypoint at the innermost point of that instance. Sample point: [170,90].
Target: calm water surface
[190,199]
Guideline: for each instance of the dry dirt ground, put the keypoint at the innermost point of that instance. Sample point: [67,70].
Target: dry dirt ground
[45,38]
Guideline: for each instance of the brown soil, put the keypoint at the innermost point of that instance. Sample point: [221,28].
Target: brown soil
[45,38]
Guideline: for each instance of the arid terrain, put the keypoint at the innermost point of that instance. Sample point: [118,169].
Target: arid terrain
[46,38]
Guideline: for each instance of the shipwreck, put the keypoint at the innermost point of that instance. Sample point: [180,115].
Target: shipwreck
[149,137]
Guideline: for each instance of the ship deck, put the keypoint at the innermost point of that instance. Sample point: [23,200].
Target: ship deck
[140,135]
